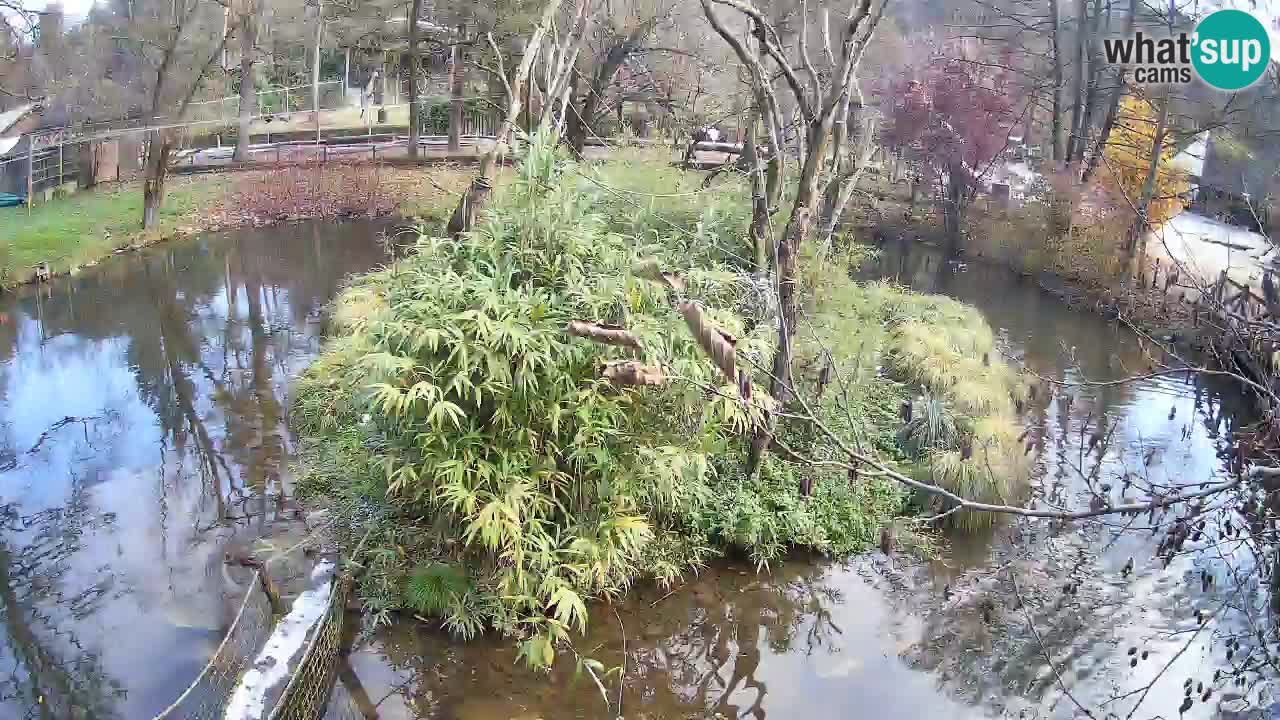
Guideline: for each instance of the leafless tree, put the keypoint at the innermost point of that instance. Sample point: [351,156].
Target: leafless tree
[247,14]
[182,40]
[476,197]
[821,97]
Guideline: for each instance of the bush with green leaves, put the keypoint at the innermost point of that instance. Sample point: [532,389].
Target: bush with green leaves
[508,484]
[890,345]
[454,396]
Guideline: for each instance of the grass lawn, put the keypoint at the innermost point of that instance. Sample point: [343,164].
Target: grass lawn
[78,230]
[81,228]
[344,119]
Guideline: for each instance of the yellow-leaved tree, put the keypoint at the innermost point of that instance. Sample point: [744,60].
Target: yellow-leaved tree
[1128,160]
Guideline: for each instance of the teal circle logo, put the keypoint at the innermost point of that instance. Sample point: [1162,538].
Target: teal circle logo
[1232,49]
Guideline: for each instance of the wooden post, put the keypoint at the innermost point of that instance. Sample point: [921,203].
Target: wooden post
[457,86]
[315,67]
[31,170]
[60,164]
[346,73]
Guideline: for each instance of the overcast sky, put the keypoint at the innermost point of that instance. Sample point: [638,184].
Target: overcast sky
[73,8]
[1266,10]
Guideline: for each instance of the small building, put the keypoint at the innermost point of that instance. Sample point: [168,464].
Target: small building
[14,126]
[27,148]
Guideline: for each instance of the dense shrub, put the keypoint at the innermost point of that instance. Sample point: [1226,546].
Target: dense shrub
[311,189]
[508,482]
[891,345]
[531,484]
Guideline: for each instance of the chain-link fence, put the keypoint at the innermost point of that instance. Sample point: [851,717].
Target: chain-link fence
[305,697]
[206,697]
[307,694]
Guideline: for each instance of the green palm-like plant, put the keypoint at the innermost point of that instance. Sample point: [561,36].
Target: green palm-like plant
[515,484]
[932,427]
[539,476]
[435,587]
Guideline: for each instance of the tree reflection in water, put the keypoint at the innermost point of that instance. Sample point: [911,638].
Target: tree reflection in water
[808,638]
[178,360]
[48,672]
[965,636]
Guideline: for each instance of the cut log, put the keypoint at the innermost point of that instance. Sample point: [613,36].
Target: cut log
[601,333]
[630,373]
[716,343]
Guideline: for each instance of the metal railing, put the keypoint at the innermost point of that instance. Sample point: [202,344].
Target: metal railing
[273,101]
[55,156]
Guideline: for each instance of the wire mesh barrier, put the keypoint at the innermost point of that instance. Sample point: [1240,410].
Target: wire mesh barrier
[307,694]
[290,99]
[82,155]
[207,695]
[476,121]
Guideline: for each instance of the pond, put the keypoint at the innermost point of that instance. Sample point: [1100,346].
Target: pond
[142,435]
[969,634]
[142,406]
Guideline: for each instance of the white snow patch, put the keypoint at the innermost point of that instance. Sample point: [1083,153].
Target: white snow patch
[1206,247]
[271,666]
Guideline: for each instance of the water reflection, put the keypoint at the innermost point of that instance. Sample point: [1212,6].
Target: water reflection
[793,643]
[141,431]
[1084,593]
[968,635]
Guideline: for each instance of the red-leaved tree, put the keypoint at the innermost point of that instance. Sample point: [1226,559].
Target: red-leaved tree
[954,121]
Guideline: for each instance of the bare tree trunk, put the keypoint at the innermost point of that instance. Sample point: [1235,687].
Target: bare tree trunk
[1113,107]
[954,206]
[1055,120]
[817,137]
[155,172]
[315,67]
[831,194]
[1141,219]
[788,248]
[415,69]
[477,194]
[759,204]
[1143,202]
[819,115]
[1091,90]
[601,81]
[160,143]
[1077,85]
[248,81]
[457,86]
[845,171]
[573,122]
[1104,132]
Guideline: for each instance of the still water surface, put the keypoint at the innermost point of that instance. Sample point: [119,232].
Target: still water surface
[965,636]
[142,433]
